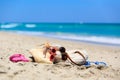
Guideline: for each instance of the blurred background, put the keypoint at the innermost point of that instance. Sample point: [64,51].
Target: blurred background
[96,21]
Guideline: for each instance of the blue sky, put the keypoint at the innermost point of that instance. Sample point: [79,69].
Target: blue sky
[89,11]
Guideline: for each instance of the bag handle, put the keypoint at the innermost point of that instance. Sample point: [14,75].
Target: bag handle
[80,55]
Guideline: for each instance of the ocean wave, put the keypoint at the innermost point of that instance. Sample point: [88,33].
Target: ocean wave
[97,39]
[94,39]
[30,33]
[11,25]
[30,25]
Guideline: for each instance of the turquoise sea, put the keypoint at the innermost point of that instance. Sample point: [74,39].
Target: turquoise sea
[101,33]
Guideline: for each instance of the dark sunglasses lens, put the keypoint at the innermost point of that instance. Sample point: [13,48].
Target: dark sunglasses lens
[53,50]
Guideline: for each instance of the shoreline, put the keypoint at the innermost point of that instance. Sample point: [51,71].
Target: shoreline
[11,43]
[73,40]
[100,40]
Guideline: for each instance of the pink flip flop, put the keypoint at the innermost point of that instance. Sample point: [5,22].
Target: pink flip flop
[18,58]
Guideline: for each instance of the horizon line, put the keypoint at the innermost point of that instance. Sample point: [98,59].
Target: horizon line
[66,22]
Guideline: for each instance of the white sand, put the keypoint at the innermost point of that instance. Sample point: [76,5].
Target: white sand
[13,43]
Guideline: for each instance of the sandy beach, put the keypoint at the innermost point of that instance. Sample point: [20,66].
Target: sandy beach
[11,43]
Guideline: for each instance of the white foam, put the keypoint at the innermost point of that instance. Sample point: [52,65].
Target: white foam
[97,39]
[31,33]
[100,39]
[30,25]
[12,25]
